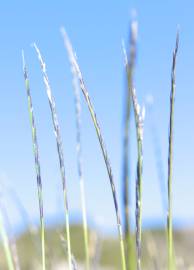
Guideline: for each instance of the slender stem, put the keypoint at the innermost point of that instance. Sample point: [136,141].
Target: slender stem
[37,161]
[170,158]
[126,148]
[80,167]
[6,247]
[139,119]
[59,148]
[75,65]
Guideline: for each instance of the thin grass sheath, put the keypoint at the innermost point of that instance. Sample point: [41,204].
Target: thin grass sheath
[139,122]
[59,147]
[170,157]
[37,161]
[75,66]
[6,246]
[79,165]
[126,148]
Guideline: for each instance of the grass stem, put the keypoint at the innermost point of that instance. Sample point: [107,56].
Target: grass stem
[75,65]
[80,166]
[170,158]
[37,161]
[59,148]
[139,121]
[126,149]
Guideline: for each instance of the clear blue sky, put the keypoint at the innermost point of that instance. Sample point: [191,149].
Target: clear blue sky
[96,29]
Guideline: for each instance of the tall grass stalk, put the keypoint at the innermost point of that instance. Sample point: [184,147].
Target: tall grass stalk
[59,147]
[170,158]
[75,65]
[37,161]
[6,246]
[126,158]
[80,166]
[139,121]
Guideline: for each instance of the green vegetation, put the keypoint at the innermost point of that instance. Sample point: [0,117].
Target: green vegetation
[80,243]
[75,65]
[153,252]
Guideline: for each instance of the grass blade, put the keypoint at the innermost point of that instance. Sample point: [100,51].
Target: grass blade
[126,147]
[37,161]
[79,165]
[139,121]
[170,158]
[75,65]
[6,247]
[59,147]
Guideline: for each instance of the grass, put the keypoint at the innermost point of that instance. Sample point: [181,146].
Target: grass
[139,121]
[80,166]
[75,65]
[107,252]
[126,149]
[59,148]
[109,249]
[170,159]
[37,162]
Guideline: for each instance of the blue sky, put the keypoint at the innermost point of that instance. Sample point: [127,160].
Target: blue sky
[96,29]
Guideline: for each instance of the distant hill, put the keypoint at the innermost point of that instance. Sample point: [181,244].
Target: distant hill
[104,251]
